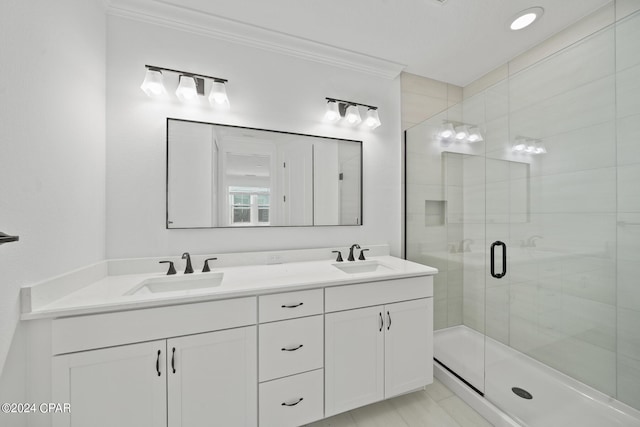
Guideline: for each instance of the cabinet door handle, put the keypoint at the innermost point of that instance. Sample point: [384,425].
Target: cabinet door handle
[293,305]
[388,324]
[173,360]
[381,322]
[158,363]
[292,349]
[292,404]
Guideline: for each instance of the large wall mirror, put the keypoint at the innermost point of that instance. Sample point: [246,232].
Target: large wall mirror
[230,176]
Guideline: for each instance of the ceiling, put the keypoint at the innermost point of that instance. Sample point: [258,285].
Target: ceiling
[455,42]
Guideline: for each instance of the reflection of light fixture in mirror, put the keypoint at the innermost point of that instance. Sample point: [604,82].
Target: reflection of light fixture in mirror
[187,90]
[372,120]
[218,94]
[333,113]
[190,85]
[337,109]
[446,131]
[353,115]
[153,85]
[462,133]
[475,135]
[528,146]
[525,18]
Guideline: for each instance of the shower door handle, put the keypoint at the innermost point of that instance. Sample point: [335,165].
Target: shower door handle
[493,259]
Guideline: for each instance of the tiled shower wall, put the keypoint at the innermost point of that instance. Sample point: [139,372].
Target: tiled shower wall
[571,217]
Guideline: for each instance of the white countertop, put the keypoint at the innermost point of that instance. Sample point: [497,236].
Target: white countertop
[109,293]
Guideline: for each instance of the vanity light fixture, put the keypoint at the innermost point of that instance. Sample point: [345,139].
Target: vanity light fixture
[333,113]
[218,94]
[153,84]
[462,133]
[352,115]
[526,145]
[190,85]
[337,109]
[372,120]
[458,132]
[525,18]
[187,88]
[475,135]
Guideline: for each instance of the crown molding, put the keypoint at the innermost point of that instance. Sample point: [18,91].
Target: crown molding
[171,15]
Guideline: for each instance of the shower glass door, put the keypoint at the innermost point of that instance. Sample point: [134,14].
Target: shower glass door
[445,228]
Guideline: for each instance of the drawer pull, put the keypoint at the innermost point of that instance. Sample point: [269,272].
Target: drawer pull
[293,305]
[158,363]
[292,349]
[292,404]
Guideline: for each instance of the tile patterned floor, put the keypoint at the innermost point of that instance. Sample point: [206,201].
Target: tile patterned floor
[436,406]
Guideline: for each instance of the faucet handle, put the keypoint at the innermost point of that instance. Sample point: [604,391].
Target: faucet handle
[172,269]
[361,257]
[339,259]
[206,269]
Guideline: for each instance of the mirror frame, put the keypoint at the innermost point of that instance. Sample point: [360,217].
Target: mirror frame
[263,130]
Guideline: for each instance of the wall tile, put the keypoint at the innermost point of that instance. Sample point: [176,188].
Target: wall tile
[583,28]
[628,188]
[413,83]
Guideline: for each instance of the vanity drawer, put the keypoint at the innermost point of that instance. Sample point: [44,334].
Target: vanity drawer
[289,305]
[338,298]
[290,347]
[292,401]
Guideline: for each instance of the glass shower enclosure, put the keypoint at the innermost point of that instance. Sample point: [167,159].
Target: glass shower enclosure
[526,197]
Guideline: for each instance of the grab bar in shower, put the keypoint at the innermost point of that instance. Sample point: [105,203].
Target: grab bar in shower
[493,259]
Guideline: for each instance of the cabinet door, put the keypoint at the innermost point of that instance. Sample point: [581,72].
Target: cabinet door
[119,386]
[354,365]
[215,382]
[408,346]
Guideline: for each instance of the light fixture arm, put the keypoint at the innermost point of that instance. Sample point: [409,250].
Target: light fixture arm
[186,73]
[348,103]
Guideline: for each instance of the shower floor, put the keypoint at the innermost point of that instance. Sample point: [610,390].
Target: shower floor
[558,400]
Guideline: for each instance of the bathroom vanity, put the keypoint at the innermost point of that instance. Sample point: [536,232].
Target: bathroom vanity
[268,345]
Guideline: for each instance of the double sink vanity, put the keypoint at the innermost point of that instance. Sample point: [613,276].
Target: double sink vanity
[270,339]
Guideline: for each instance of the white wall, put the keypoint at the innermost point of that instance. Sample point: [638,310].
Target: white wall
[52,153]
[266,90]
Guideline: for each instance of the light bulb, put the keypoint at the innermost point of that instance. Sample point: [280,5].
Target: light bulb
[475,135]
[152,84]
[520,145]
[461,133]
[333,113]
[372,120]
[187,90]
[353,115]
[218,94]
[446,131]
[531,149]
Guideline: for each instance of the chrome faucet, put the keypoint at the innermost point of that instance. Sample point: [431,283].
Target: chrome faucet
[351,257]
[189,268]
[531,241]
[465,248]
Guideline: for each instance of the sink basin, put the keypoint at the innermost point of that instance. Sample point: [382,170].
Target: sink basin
[178,283]
[356,267]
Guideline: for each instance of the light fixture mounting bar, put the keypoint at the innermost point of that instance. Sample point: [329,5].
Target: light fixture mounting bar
[342,101]
[186,73]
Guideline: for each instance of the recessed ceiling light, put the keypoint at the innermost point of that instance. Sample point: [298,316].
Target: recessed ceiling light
[525,18]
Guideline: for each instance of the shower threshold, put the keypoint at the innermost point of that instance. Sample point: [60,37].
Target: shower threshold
[529,392]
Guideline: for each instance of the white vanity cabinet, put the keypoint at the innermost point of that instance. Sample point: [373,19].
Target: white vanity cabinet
[116,386]
[377,352]
[291,358]
[181,381]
